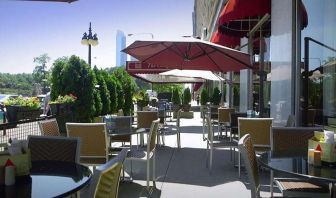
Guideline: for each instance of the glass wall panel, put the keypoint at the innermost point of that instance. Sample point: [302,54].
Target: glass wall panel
[281,61]
[318,52]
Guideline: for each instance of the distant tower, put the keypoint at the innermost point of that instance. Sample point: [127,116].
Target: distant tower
[121,44]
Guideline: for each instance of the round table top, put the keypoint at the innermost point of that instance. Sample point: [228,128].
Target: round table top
[296,164]
[49,179]
[129,132]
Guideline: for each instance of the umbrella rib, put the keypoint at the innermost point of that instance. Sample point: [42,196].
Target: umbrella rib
[178,49]
[232,57]
[159,52]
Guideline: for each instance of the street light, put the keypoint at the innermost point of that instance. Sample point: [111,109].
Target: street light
[89,40]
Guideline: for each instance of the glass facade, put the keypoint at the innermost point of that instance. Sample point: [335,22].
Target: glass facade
[318,52]
[281,52]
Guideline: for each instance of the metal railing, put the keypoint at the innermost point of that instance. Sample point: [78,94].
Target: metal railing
[20,130]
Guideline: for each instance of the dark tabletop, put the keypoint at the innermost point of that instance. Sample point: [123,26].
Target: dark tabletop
[296,164]
[128,132]
[49,179]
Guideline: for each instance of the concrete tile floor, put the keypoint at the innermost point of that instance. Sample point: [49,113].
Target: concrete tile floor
[182,172]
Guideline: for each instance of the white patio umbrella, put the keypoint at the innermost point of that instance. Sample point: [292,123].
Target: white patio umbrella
[207,75]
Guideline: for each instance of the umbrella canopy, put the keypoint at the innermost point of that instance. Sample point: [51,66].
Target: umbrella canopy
[150,73]
[207,75]
[65,1]
[191,54]
[238,17]
[157,78]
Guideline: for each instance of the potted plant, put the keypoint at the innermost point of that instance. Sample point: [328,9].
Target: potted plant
[63,108]
[62,104]
[142,99]
[21,108]
[215,100]
[186,100]
[176,99]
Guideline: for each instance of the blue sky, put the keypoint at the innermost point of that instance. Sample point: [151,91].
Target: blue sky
[29,29]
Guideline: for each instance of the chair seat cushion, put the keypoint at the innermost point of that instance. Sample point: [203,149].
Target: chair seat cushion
[137,154]
[302,186]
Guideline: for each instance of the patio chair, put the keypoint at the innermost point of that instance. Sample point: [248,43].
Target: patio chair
[288,187]
[145,119]
[105,178]
[211,143]
[294,139]
[259,130]
[54,148]
[149,154]
[123,124]
[224,118]
[234,122]
[94,144]
[49,127]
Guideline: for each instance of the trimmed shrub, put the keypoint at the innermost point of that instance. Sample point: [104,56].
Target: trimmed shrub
[186,96]
[204,96]
[216,96]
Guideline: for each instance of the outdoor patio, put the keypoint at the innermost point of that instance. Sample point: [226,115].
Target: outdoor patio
[183,172]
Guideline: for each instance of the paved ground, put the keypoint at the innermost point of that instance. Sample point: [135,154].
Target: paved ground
[183,172]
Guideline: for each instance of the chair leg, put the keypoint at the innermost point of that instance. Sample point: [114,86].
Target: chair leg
[271,183]
[147,182]
[153,169]
[178,139]
[239,163]
[210,160]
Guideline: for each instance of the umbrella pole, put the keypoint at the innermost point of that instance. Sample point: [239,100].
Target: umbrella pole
[261,75]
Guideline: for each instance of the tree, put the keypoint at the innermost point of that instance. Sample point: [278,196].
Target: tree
[128,86]
[40,72]
[186,96]
[204,96]
[112,88]
[104,92]
[98,105]
[57,83]
[176,98]
[75,77]
[216,96]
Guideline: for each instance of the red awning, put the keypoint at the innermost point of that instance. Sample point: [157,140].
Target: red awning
[233,42]
[238,17]
[225,40]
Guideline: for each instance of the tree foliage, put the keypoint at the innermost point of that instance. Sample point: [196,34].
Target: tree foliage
[204,96]
[104,92]
[186,96]
[21,84]
[176,98]
[74,76]
[112,88]
[40,72]
[216,96]
[128,86]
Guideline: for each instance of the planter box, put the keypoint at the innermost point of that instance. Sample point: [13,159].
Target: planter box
[17,113]
[63,113]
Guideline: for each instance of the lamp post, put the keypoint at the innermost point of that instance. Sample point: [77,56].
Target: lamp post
[89,40]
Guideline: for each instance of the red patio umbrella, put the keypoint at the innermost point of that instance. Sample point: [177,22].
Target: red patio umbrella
[238,17]
[192,54]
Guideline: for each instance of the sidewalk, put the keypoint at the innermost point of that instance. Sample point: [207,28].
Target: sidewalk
[183,173]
